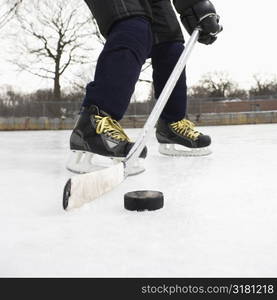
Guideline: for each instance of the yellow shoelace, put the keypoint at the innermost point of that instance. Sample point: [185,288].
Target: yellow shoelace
[110,127]
[185,127]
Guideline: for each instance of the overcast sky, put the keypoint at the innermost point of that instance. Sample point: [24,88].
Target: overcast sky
[248,45]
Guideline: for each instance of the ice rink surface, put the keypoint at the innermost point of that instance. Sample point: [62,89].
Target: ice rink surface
[219,218]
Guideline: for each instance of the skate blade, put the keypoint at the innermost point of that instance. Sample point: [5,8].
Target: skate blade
[80,162]
[172,150]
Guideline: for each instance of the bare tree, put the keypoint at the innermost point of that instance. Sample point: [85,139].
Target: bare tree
[55,35]
[217,85]
[7,10]
[264,85]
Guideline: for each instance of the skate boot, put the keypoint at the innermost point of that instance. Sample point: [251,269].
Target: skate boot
[181,139]
[97,134]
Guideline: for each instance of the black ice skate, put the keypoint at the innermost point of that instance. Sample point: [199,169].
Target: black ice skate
[97,133]
[181,139]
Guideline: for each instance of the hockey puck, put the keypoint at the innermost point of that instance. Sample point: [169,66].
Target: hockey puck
[66,193]
[143,200]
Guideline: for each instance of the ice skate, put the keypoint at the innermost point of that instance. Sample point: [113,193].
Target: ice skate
[95,140]
[181,139]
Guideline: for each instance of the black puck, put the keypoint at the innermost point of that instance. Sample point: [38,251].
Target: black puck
[143,200]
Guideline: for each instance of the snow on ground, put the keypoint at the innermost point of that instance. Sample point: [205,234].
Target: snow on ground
[219,218]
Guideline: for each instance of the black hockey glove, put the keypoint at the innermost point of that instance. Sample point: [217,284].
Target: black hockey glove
[202,14]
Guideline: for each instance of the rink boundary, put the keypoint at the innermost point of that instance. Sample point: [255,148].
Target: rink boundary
[133,121]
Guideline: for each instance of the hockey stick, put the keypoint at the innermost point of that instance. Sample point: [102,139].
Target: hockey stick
[87,187]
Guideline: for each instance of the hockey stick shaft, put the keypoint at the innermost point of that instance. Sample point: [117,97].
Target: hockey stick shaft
[160,104]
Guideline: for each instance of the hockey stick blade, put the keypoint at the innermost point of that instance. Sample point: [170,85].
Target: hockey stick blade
[84,188]
[87,187]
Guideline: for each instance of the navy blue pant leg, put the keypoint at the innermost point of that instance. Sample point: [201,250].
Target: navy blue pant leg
[164,59]
[119,65]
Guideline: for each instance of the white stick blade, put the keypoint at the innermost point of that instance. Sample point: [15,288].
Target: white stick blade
[87,187]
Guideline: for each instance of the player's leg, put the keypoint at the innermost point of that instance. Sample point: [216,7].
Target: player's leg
[97,131]
[173,128]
